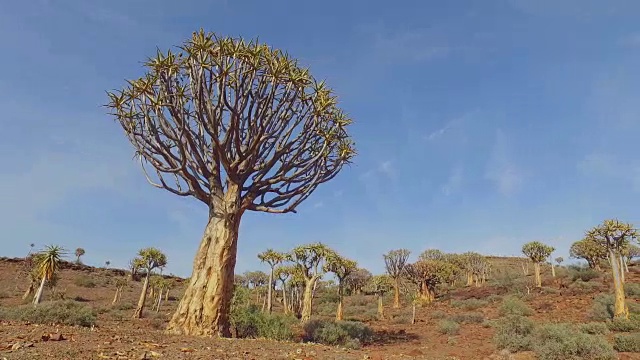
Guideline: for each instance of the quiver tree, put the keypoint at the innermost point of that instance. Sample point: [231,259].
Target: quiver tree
[432,254]
[341,267]
[296,288]
[272,258]
[628,254]
[379,285]
[427,275]
[283,273]
[256,280]
[357,280]
[148,260]
[239,126]
[47,264]
[590,251]
[538,253]
[615,236]
[79,252]
[134,267]
[395,262]
[120,283]
[473,265]
[308,261]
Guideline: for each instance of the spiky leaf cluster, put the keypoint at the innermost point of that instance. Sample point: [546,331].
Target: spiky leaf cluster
[395,262]
[589,250]
[149,259]
[223,111]
[537,251]
[613,235]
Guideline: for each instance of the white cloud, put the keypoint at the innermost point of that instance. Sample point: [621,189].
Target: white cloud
[454,183]
[501,170]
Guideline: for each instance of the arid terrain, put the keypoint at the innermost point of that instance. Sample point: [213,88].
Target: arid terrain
[116,335]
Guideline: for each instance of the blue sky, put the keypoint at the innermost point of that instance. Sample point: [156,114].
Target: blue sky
[480,125]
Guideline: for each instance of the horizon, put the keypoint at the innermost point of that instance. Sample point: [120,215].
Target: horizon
[479,127]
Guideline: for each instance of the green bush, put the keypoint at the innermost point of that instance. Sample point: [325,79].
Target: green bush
[513,332]
[438,314]
[56,312]
[583,287]
[469,304]
[584,274]
[627,342]
[562,342]
[84,281]
[511,305]
[448,327]
[602,307]
[632,290]
[594,328]
[493,298]
[350,334]
[251,322]
[623,325]
[468,318]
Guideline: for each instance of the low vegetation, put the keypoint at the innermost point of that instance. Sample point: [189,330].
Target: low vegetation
[57,312]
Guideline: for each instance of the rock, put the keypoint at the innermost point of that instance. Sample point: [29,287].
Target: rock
[16,346]
[56,337]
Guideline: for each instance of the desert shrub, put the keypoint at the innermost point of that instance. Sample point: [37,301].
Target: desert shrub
[493,298]
[469,304]
[627,342]
[562,342]
[328,297]
[602,307]
[511,305]
[583,287]
[438,314]
[468,318]
[583,273]
[84,281]
[632,290]
[401,319]
[594,328]
[623,325]
[448,327]
[513,332]
[123,306]
[57,312]
[251,322]
[346,333]
[361,300]
[325,309]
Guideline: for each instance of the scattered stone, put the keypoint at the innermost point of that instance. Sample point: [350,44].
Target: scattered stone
[56,337]
[187,350]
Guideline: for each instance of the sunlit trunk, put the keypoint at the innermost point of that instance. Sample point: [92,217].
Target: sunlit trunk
[620,308]
[116,296]
[270,294]
[413,313]
[38,297]
[284,298]
[553,270]
[204,308]
[143,297]
[29,291]
[380,307]
[340,311]
[536,268]
[307,300]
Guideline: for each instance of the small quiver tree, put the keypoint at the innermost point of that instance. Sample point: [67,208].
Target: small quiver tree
[283,273]
[272,258]
[615,236]
[380,285]
[308,262]
[120,283]
[395,262]
[79,252]
[341,267]
[357,280]
[239,126]
[47,264]
[538,253]
[148,260]
[589,250]
[427,275]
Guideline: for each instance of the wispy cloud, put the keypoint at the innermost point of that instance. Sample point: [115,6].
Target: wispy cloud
[415,45]
[454,183]
[501,169]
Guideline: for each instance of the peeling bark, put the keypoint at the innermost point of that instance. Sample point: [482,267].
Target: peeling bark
[38,297]
[536,267]
[143,297]
[307,299]
[204,307]
[620,308]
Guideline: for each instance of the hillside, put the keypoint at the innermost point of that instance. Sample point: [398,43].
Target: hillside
[117,336]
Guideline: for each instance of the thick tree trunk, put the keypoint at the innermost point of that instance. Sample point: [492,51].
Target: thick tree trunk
[536,268]
[396,293]
[38,297]
[469,279]
[284,298]
[269,293]
[553,270]
[620,308]
[143,297]
[307,299]
[380,307]
[340,311]
[166,295]
[204,308]
[159,301]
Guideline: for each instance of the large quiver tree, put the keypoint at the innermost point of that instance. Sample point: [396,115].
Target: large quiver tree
[395,261]
[239,126]
[538,253]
